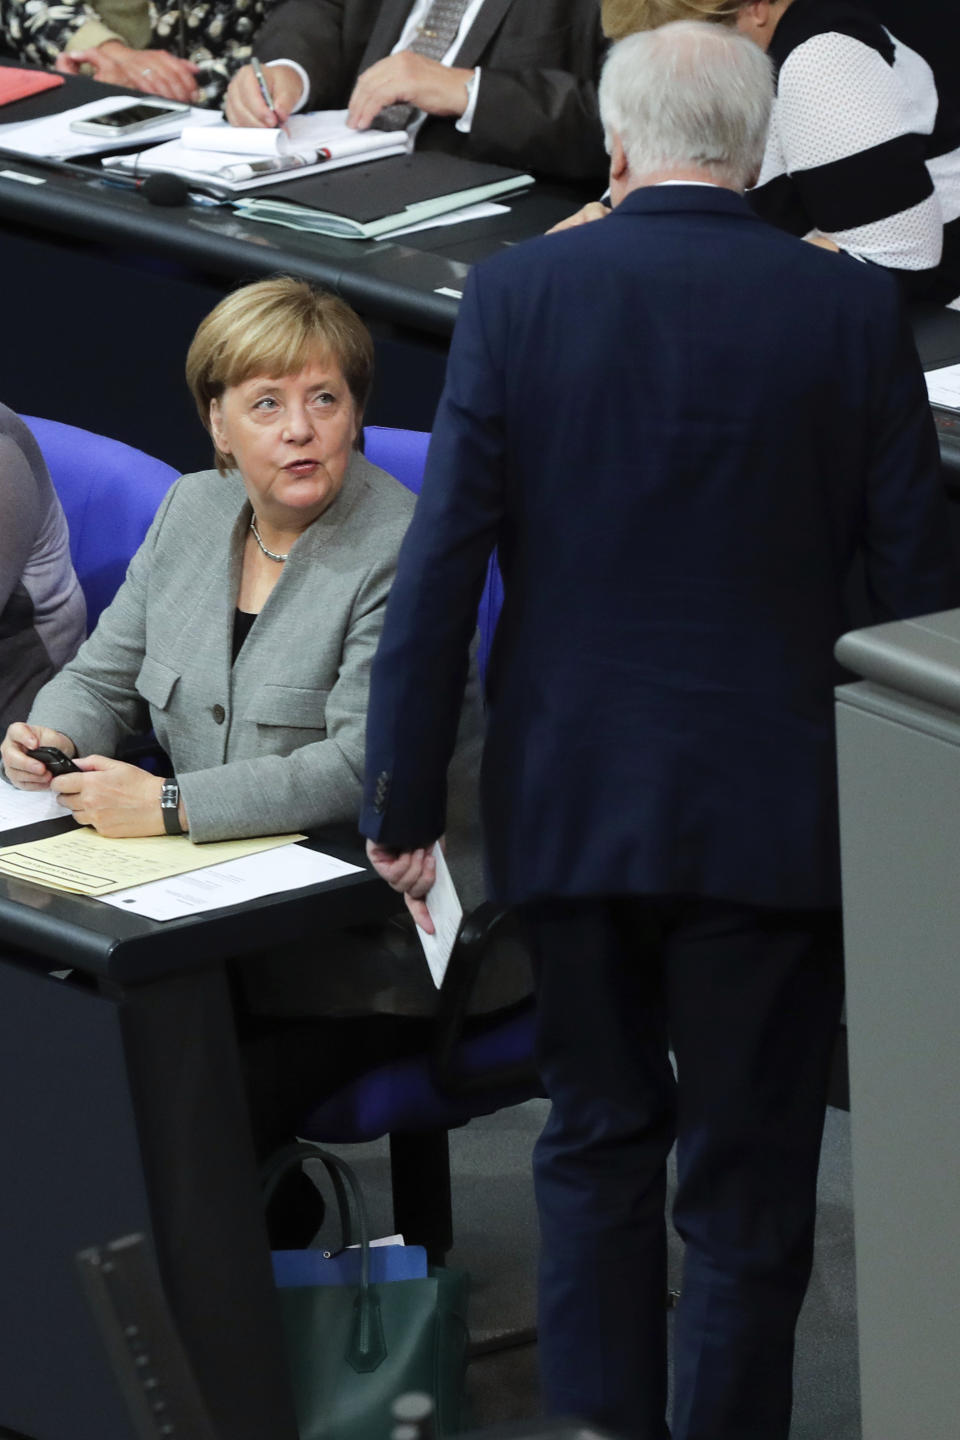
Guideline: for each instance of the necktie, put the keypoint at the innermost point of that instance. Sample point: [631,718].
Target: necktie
[436,35]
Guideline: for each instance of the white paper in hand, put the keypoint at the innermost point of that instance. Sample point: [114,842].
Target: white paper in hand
[446,912]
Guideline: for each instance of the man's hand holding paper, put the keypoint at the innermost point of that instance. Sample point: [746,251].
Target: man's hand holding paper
[410,872]
[423,879]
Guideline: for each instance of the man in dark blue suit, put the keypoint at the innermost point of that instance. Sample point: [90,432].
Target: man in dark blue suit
[679,426]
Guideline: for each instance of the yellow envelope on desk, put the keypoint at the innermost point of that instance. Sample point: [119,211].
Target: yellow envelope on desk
[85,863]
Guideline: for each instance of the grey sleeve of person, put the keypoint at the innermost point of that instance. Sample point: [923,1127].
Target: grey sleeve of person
[42,610]
[20,516]
[94,700]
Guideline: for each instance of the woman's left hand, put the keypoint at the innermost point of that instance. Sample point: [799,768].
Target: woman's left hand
[153,72]
[117,799]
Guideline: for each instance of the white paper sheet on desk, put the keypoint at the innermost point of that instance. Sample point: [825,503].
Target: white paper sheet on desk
[943,386]
[481,211]
[27,807]
[269,873]
[446,912]
[318,130]
[51,135]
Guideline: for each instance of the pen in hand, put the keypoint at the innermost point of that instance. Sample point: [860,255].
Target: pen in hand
[261,80]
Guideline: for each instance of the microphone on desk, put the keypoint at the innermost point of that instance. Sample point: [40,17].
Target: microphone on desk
[164,189]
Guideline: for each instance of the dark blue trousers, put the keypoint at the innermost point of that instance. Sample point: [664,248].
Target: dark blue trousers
[749,1001]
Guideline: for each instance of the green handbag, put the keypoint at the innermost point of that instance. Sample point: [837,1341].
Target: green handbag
[353,1349]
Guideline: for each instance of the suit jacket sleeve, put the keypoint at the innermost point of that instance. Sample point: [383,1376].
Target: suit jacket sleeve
[910,565]
[312,33]
[421,666]
[544,120]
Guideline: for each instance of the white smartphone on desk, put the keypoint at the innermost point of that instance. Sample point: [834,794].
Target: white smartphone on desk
[129,118]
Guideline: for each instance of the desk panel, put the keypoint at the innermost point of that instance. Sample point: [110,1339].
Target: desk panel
[71,1179]
[109,291]
[125,1110]
[111,944]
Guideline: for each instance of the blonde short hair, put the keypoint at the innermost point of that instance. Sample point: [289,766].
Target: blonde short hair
[626,17]
[275,328]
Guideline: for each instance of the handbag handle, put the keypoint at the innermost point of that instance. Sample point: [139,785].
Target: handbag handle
[291,1157]
[367,1348]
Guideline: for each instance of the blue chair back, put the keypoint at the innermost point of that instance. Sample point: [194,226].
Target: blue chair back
[404,454]
[110,493]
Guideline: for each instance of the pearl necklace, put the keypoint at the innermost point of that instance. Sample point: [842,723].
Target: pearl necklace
[270,554]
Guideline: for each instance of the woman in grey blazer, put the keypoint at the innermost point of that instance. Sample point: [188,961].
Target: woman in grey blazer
[244,630]
[243,634]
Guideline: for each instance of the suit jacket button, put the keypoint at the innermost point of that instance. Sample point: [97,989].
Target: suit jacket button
[381,792]
[219,714]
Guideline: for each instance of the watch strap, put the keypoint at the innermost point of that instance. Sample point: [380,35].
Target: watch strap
[170,807]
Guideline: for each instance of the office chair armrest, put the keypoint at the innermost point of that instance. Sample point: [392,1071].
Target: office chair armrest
[486,927]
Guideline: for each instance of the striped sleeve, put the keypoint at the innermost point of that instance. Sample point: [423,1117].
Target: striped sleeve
[849,147]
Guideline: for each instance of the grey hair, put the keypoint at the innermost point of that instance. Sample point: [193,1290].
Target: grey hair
[687,95]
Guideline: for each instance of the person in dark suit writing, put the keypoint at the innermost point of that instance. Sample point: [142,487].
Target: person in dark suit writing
[508,81]
[679,427]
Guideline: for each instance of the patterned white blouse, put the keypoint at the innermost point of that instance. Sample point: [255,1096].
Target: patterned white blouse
[862,148]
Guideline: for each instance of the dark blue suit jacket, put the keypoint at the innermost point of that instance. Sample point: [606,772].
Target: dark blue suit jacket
[679,425]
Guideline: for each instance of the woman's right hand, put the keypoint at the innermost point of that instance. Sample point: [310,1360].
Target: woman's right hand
[20,738]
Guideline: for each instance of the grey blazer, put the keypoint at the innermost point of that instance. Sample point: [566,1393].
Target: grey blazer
[275,742]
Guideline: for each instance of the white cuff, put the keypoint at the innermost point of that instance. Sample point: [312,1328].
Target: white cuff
[473,90]
[304,80]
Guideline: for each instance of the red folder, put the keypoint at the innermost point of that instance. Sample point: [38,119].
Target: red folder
[18,84]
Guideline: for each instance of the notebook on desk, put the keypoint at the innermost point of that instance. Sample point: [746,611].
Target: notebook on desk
[225,160]
[367,201]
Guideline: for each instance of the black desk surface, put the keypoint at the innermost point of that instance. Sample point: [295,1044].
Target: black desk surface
[76,931]
[396,281]
[396,285]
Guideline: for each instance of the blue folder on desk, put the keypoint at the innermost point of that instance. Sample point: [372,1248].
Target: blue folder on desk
[292,1268]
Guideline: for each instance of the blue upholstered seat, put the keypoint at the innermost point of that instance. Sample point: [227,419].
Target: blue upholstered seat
[110,493]
[404,453]
[404,1095]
